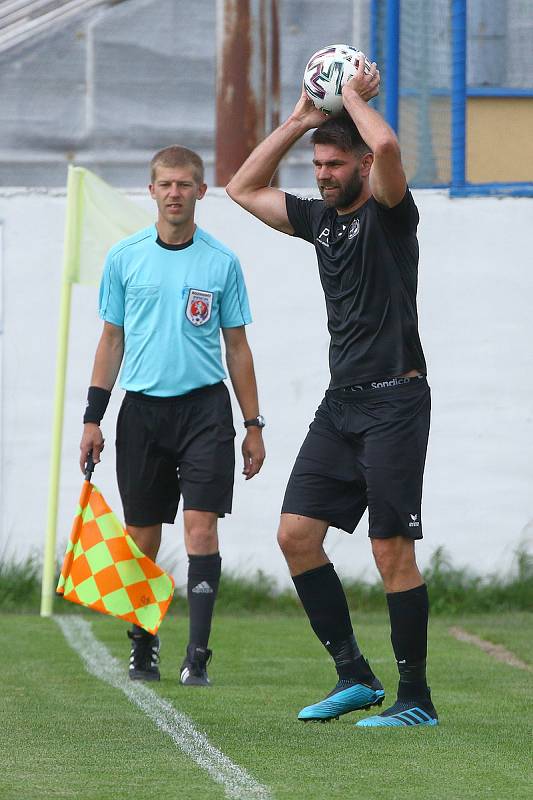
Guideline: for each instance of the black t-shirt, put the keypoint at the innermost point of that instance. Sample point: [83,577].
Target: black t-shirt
[368,266]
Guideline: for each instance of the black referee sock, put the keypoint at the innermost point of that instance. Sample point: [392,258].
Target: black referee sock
[202,587]
[408,612]
[324,602]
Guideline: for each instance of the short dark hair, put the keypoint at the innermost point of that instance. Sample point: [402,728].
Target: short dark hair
[342,132]
[178,156]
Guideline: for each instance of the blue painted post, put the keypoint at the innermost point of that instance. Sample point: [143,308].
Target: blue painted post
[392,63]
[374,53]
[458,110]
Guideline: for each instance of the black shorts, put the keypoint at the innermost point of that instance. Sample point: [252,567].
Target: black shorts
[167,446]
[365,449]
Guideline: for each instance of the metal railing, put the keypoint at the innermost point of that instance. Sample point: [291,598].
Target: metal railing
[418,88]
[21,20]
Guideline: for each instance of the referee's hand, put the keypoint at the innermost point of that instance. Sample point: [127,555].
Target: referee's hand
[253,452]
[92,440]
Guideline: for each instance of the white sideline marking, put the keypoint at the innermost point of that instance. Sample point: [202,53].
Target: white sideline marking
[100,663]
[497,651]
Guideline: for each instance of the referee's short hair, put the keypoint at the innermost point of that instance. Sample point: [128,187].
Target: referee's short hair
[178,156]
[341,131]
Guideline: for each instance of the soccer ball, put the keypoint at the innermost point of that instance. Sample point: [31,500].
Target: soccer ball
[326,73]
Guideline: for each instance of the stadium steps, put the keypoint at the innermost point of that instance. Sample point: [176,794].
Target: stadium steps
[21,20]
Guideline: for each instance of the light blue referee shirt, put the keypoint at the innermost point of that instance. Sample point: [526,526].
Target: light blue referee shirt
[172,304]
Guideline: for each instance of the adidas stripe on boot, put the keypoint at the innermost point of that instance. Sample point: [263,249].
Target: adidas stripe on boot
[194,668]
[404,714]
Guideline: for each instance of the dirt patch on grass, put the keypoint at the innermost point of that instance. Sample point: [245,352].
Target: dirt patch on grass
[496,651]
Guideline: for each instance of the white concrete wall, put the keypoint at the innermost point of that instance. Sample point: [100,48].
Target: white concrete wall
[476,325]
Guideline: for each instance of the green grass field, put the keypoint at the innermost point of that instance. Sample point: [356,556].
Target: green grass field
[66,734]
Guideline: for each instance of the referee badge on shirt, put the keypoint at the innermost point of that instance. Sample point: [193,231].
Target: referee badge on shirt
[199,306]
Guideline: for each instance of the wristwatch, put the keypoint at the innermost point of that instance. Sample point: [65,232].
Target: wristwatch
[256,422]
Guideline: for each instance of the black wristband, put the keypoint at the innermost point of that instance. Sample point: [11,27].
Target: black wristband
[97,402]
[255,422]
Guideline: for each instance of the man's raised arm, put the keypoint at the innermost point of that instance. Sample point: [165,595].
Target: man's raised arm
[250,186]
[387,177]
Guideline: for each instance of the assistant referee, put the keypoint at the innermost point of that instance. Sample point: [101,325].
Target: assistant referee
[366,447]
[166,293]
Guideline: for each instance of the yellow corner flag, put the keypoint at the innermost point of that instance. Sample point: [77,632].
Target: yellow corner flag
[104,569]
[97,217]
[102,217]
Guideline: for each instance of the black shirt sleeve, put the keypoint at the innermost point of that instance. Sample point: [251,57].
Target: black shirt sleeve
[403,216]
[301,214]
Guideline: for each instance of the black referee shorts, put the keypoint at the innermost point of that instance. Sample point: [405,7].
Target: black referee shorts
[172,446]
[365,449]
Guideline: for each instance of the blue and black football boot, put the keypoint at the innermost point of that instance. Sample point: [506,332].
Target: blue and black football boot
[347,695]
[404,714]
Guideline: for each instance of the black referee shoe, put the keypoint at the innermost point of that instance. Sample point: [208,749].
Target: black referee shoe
[194,669]
[144,655]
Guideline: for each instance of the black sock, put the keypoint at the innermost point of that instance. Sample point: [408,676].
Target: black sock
[202,587]
[408,613]
[136,630]
[324,602]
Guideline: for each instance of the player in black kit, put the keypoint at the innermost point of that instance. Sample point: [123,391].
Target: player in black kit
[366,446]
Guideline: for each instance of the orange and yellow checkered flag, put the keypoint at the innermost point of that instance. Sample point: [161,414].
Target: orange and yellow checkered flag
[104,569]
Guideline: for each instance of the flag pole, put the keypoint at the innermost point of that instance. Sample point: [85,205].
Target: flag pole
[70,255]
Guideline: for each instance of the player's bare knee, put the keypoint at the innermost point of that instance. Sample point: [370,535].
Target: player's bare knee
[394,557]
[301,537]
[292,541]
[201,538]
[285,540]
[385,566]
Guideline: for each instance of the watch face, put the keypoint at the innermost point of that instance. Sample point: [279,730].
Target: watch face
[256,422]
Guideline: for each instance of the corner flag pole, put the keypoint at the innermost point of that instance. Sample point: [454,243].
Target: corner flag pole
[70,254]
